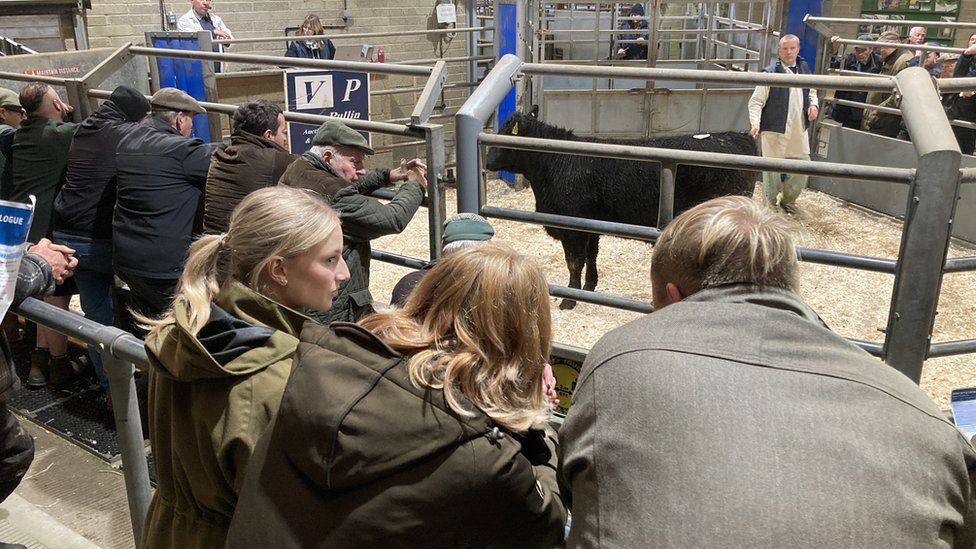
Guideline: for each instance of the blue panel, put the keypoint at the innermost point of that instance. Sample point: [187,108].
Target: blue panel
[507,40]
[184,74]
[808,36]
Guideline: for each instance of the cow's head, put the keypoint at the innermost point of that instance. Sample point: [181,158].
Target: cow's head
[511,160]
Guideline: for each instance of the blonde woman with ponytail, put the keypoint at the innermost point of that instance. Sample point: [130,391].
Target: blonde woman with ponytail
[221,356]
[419,427]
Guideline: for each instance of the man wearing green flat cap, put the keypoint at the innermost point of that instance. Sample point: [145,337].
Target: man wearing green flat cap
[334,167]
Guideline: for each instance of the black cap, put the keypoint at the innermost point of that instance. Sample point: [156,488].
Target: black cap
[133,104]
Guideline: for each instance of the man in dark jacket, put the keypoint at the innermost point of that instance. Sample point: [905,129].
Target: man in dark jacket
[39,159]
[83,208]
[256,158]
[161,176]
[334,168]
[864,60]
[686,432]
[11,115]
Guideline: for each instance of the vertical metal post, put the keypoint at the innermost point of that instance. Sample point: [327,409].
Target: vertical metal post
[468,123]
[932,199]
[128,429]
[78,22]
[436,205]
[76,98]
[209,84]
[665,208]
[471,48]
[153,66]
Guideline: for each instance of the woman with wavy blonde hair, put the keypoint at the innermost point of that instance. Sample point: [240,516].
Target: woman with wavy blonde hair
[419,427]
[221,355]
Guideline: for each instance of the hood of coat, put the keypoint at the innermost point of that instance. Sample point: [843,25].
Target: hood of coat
[246,333]
[350,414]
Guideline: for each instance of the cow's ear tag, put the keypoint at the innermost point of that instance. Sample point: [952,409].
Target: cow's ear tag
[515,129]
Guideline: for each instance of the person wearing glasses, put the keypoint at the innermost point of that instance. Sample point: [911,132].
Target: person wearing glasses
[334,168]
[311,49]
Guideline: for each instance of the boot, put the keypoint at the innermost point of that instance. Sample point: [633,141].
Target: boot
[39,370]
[62,371]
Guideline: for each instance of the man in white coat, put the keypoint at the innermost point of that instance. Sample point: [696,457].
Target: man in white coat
[779,117]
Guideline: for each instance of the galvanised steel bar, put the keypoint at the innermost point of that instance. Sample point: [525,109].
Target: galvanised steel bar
[430,95]
[889,110]
[623,230]
[956,84]
[119,350]
[132,446]
[960,265]
[872,348]
[898,45]
[365,125]
[891,22]
[396,259]
[598,298]
[967,175]
[818,81]
[280,61]
[952,348]
[343,36]
[841,259]
[470,120]
[932,200]
[715,160]
[21,77]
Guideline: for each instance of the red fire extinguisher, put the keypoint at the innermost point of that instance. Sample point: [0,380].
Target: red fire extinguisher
[380,55]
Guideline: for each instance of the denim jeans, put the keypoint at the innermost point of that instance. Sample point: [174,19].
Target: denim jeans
[94,278]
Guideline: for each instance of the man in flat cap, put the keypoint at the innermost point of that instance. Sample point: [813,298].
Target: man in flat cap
[83,208]
[161,178]
[461,231]
[334,168]
[894,60]
[866,60]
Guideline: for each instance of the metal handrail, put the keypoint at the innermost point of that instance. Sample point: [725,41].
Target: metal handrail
[891,22]
[342,36]
[887,110]
[701,158]
[379,68]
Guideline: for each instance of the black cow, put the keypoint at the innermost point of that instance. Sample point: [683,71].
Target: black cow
[624,191]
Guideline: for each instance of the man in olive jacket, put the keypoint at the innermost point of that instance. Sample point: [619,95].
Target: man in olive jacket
[333,167]
[256,158]
[895,60]
[733,417]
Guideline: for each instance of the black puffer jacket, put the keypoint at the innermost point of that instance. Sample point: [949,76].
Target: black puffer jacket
[360,457]
[85,203]
[363,219]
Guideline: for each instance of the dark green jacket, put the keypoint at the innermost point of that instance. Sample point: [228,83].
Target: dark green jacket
[363,219]
[360,457]
[211,396]
[40,159]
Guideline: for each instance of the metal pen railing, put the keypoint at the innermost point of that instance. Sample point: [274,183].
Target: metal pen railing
[919,267]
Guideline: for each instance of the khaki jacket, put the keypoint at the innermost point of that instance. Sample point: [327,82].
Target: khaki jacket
[360,457]
[883,123]
[210,397]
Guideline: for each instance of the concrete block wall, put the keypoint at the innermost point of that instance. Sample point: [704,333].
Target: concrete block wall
[114,22]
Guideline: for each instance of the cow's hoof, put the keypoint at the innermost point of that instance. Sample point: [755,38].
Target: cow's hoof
[567,304]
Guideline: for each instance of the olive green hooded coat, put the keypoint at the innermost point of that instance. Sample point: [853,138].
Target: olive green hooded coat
[210,398]
[358,456]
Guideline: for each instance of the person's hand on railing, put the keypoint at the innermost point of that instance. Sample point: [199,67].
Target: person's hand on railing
[61,258]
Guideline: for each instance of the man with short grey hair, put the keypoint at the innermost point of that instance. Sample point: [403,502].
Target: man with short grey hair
[461,231]
[161,178]
[733,417]
[335,168]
